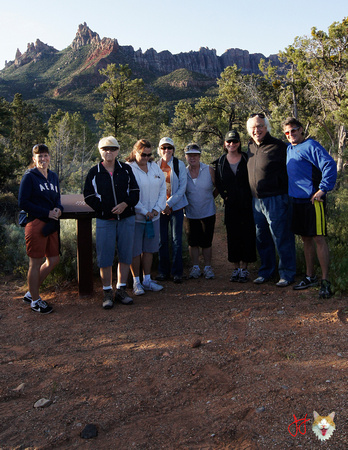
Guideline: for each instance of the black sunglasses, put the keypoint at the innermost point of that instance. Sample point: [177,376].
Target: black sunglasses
[110,149]
[146,155]
[166,148]
[232,141]
[261,115]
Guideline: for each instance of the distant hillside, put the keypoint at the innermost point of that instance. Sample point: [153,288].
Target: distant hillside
[66,79]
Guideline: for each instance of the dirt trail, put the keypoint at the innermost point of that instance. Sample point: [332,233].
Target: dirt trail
[207,364]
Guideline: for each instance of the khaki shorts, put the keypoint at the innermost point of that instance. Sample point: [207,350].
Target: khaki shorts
[37,244]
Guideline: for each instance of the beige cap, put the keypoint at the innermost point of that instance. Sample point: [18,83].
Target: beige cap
[109,141]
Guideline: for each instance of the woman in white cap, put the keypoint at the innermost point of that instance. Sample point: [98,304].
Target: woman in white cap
[152,201]
[112,191]
[232,182]
[173,214]
[200,211]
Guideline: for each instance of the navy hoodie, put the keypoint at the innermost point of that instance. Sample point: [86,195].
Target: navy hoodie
[39,195]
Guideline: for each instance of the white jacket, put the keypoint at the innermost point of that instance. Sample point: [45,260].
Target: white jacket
[178,199]
[153,192]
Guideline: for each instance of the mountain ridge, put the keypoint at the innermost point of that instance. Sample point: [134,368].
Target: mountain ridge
[67,79]
[205,60]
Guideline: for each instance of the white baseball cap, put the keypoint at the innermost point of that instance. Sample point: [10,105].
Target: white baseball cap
[109,141]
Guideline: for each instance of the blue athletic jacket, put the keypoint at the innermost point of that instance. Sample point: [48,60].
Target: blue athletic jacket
[310,168]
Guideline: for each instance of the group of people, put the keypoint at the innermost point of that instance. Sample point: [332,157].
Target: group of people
[270,192]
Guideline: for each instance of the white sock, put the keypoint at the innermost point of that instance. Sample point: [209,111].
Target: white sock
[196,265]
[33,302]
[121,285]
[147,279]
[207,267]
[28,295]
[107,288]
[136,280]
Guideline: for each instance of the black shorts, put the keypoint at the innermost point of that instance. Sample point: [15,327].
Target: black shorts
[309,219]
[200,232]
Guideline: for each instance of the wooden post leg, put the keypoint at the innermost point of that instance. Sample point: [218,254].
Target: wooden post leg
[84,256]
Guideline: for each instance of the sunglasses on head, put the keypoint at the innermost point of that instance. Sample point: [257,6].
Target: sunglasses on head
[146,155]
[261,115]
[192,147]
[292,131]
[164,147]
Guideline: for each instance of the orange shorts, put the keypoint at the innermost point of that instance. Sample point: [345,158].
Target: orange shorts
[37,244]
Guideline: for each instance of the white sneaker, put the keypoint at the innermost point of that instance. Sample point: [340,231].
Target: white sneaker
[208,273]
[152,286]
[195,272]
[138,289]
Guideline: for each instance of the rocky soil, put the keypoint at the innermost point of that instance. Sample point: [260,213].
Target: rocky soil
[207,364]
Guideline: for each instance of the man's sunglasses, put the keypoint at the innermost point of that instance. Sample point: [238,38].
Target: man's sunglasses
[292,131]
[232,141]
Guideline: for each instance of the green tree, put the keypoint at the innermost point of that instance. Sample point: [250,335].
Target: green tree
[129,111]
[27,129]
[208,120]
[72,147]
[314,84]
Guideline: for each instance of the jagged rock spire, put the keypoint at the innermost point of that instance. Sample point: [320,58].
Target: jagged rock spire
[84,36]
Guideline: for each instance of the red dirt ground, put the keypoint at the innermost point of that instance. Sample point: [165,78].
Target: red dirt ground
[207,364]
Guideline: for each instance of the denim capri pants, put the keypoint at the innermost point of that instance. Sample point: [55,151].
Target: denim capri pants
[144,244]
[110,232]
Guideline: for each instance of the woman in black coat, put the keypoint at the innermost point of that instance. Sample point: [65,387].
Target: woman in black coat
[231,178]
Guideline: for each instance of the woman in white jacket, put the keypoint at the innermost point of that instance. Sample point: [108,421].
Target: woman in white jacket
[152,201]
[172,217]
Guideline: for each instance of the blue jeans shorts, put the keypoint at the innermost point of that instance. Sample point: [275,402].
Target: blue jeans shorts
[110,232]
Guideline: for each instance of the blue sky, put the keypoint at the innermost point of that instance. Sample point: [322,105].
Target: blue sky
[176,25]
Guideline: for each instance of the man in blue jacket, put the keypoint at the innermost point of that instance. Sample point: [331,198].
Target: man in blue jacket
[312,172]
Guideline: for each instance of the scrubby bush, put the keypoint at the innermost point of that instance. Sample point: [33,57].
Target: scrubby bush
[338,239]
[13,258]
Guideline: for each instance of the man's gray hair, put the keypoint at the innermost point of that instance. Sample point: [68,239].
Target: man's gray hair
[268,125]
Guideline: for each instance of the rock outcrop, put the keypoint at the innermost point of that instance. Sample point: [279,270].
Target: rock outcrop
[34,52]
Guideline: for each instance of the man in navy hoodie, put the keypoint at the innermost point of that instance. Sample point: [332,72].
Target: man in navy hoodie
[312,173]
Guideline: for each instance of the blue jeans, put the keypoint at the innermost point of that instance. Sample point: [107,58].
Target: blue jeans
[175,220]
[272,217]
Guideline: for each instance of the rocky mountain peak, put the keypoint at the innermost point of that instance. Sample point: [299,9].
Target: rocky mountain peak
[34,52]
[85,36]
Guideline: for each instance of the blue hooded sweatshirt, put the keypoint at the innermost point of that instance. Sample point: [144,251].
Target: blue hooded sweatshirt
[39,195]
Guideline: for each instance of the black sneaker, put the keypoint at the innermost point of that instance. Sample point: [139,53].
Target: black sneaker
[235,275]
[306,283]
[42,307]
[325,289]
[162,277]
[177,279]
[243,276]
[122,297]
[108,300]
